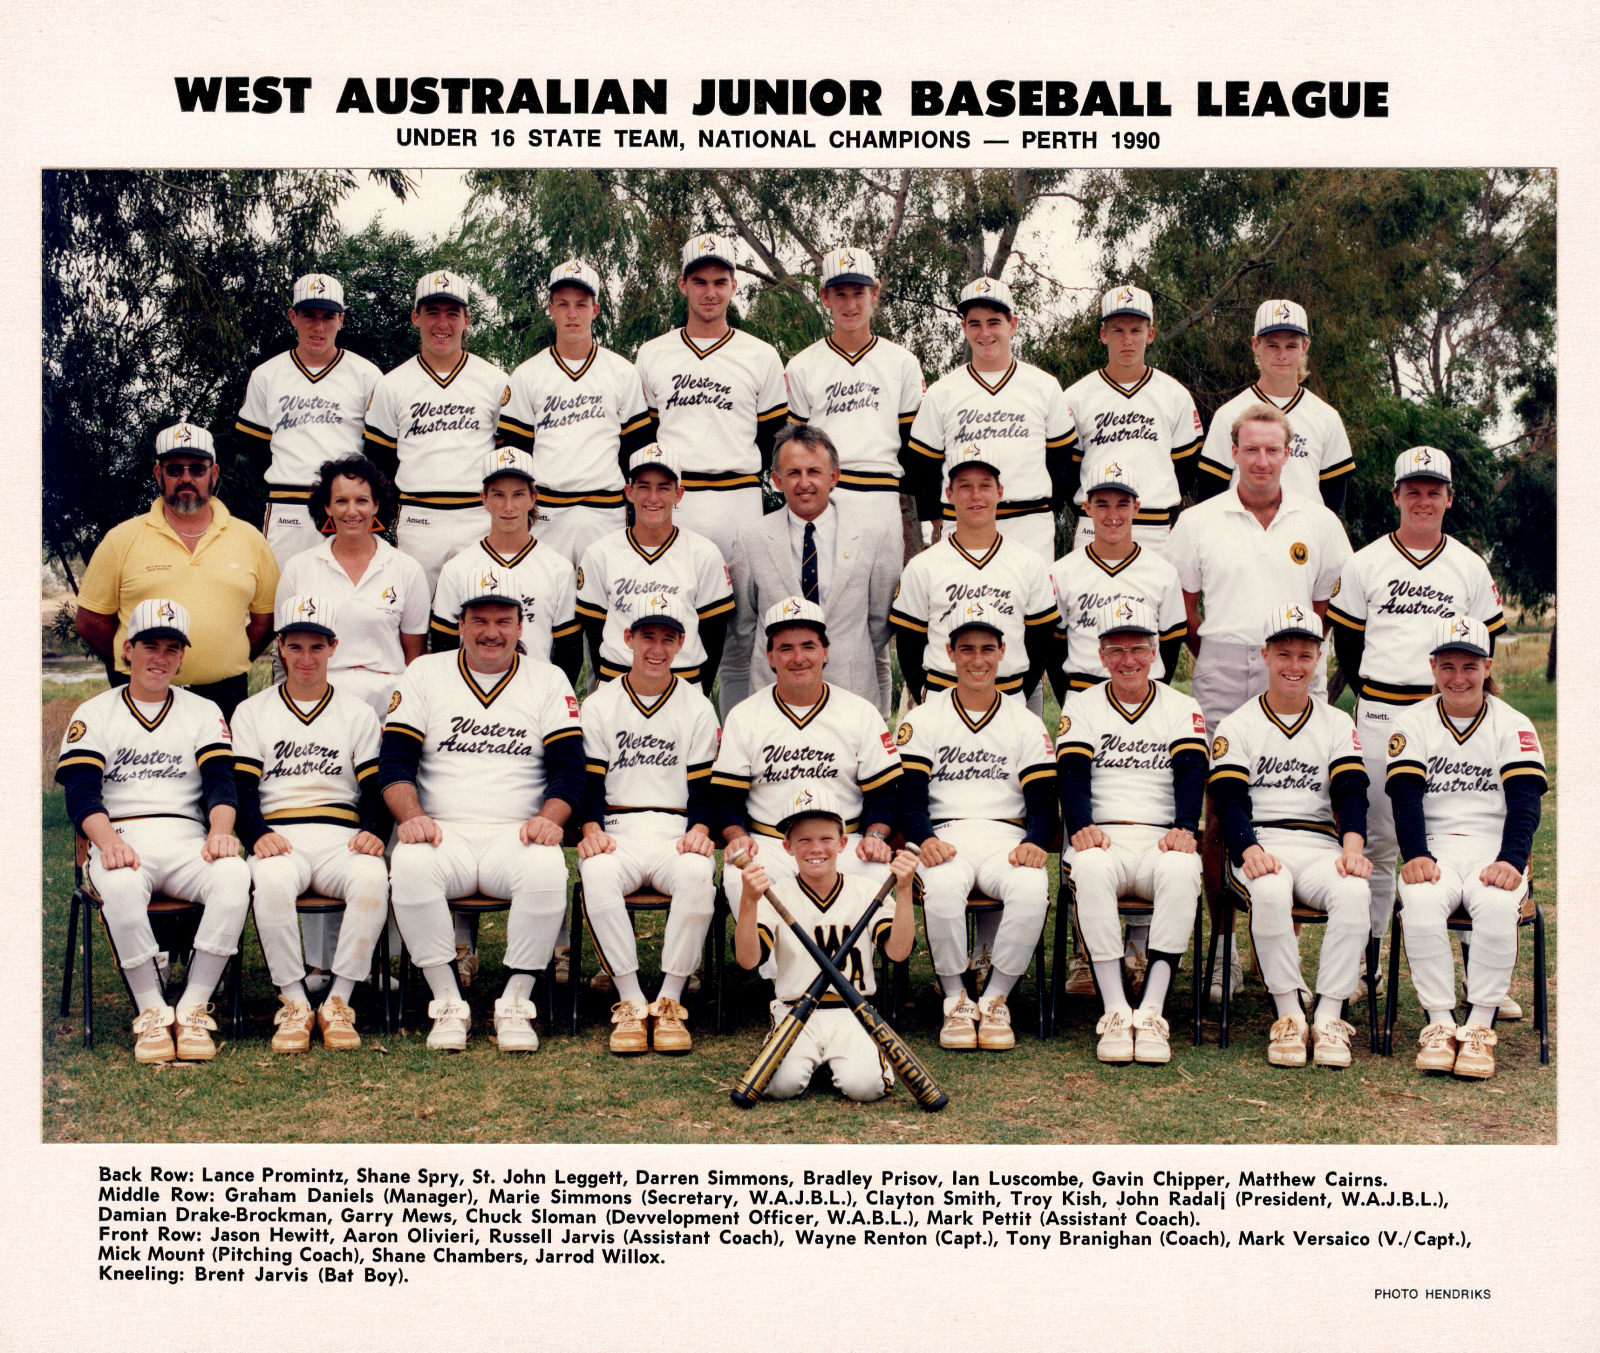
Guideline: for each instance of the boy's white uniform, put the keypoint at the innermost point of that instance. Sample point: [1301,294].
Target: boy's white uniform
[710,403]
[1222,551]
[1290,769]
[863,402]
[1319,446]
[618,576]
[1465,768]
[1020,422]
[440,428]
[481,776]
[307,417]
[538,573]
[976,768]
[1150,427]
[149,758]
[832,1035]
[1133,802]
[573,421]
[649,754]
[311,761]
[1084,583]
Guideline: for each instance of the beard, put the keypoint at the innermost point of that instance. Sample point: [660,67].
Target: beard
[191,501]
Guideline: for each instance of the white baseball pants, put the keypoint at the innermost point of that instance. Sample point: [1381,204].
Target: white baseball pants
[1375,726]
[981,850]
[432,535]
[321,861]
[570,530]
[1132,864]
[1152,538]
[833,1036]
[647,854]
[717,514]
[1425,907]
[289,530]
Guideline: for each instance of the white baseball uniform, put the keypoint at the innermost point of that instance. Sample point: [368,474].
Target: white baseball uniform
[440,428]
[1084,582]
[1319,447]
[540,575]
[307,417]
[652,760]
[579,423]
[719,407]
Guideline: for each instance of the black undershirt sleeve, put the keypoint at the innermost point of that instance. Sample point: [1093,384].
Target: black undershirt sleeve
[1188,788]
[564,772]
[249,823]
[1522,819]
[1410,823]
[1348,647]
[81,785]
[915,821]
[1041,813]
[1231,798]
[1072,778]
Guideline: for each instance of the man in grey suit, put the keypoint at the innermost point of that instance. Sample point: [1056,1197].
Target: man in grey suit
[847,566]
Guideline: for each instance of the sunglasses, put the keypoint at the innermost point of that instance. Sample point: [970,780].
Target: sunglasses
[195,470]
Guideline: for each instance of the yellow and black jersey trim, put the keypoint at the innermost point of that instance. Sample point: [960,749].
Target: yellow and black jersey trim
[588,610]
[149,725]
[1345,618]
[211,751]
[146,817]
[1394,694]
[1129,391]
[645,552]
[816,709]
[1016,507]
[1190,449]
[1190,745]
[1178,631]
[925,450]
[776,411]
[1406,768]
[80,756]
[880,931]
[1112,567]
[642,421]
[1470,729]
[1497,624]
[1145,516]
[314,377]
[915,765]
[869,483]
[366,769]
[1515,768]
[976,560]
[1287,729]
[567,371]
[649,711]
[1000,384]
[562,631]
[250,429]
[1222,472]
[443,381]
[940,681]
[714,608]
[285,493]
[703,353]
[372,434]
[727,780]
[520,435]
[439,625]
[1073,749]
[900,620]
[643,808]
[1228,772]
[306,718]
[561,733]
[1416,563]
[982,721]
[823,901]
[1344,467]
[600,498]
[450,502]
[596,767]
[410,732]
[1137,714]
[1296,824]
[718,481]
[1068,438]
[1345,765]
[879,780]
[766,941]
[515,559]
[332,815]
[852,358]
[1039,772]
[698,770]
[248,765]
[1049,617]
[488,697]
[1082,681]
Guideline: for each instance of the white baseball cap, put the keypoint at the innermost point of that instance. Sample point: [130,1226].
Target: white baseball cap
[660,608]
[305,612]
[1422,462]
[974,615]
[1126,300]
[970,454]
[811,801]
[317,291]
[1465,633]
[1126,616]
[661,457]
[1110,474]
[1272,316]
[491,586]
[185,439]
[1291,618]
[575,273]
[507,460]
[158,618]
[795,611]
[990,291]
[709,249]
[442,286]
[848,265]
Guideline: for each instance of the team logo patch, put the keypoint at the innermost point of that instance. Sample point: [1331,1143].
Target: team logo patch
[1199,722]
[1219,745]
[389,595]
[1299,553]
[394,702]
[1528,741]
[580,576]
[1397,744]
[888,742]
[1197,420]
[1336,588]
[1355,739]
[572,706]
[1064,727]
[895,595]
[506,397]
[901,737]
[76,730]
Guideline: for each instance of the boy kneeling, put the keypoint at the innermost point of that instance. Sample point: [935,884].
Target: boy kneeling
[828,904]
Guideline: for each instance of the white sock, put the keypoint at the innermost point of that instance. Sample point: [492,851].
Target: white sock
[294,991]
[1138,939]
[1288,1002]
[205,971]
[953,985]
[344,988]
[145,984]
[519,986]
[1156,982]
[1109,971]
[985,926]
[672,986]
[1327,1009]
[1482,1014]
[627,985]
[464,929]
[442,982]
[1445,1017]
[1000,983]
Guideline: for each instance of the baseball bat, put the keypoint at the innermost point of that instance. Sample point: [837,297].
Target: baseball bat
[923,1087]
[754,1081]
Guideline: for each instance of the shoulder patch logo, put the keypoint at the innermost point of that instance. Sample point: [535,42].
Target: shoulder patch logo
[506,397]
[580,575]
[394,702]
[901,737]
[1064,727]
[1219,745]
[888,743]
[1527,739]
[1336,588]
[76,730]
[1199,722]
[572,706]
[1355,739]
[1397,744]
[1299,553]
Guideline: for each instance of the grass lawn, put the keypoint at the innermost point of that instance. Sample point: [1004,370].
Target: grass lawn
[394,1090]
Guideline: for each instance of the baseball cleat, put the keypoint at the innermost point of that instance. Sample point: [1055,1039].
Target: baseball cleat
[669,1034]
[294,1020]
[195,1027]
[317,981]
[513,1025]
[692,986]
[337,1022]
[466,964]
[980,965]
[1152,1043]
[1509,1009]
[1286,1041]
[994,1024]
[960,1023]
[629,1036]
[1235,977]
[1438,1044]
[1080,976]
[601,983]
[1475,1060]
[1330,1043]
[563,958]
[1115,1028]
[152,1031]
[451,1018]
[1134,967]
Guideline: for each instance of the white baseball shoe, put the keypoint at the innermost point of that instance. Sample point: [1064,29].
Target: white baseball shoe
[152,1041]
[1475,1059]
[1286,1041]
[1438,1048]
[294,1020]
[1152,1042]
[994,1024]
[451,1017]
[960,1023]
[195,1027]
[1116,1036]
[513,1025]
[1330,1043]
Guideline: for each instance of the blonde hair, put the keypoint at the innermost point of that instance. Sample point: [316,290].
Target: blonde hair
[1262,413]
[1301,372]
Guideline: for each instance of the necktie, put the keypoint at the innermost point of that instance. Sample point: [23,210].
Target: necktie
[808,565]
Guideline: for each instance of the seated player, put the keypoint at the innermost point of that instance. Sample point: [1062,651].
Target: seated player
[980,795]
[482,765]
[147,769]
[649,740]
[1465,777]
[828,904]
[305,763]
[1131,759]
[1290,791]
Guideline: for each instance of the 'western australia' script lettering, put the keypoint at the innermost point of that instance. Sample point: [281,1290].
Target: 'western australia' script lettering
[1138,753]
[702,390]
[797,763]
[1407,598]
[127,764]
[1287,772]
[304,758]
[561,411]
[848,396]
[427,417]
[469,736]
[971,763]
[998,597]
[644,749]
[1123,427]
[1461,777]
[1087,614]
[980,425]
[297,410]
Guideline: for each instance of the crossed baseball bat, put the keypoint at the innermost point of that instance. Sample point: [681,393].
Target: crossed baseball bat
[749,1087]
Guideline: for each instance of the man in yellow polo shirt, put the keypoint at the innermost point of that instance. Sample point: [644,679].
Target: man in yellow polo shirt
[190,549]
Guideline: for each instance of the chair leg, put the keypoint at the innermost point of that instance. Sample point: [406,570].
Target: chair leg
[719,933]
[1391,1000]
[72,943]
[1039,981]
[575,956]
[1374,947]
[1227,971]
[1058,957]
[1541,1008]
[87,969]
[1202,977]
[1199,943]
[387,1005]
[236,994]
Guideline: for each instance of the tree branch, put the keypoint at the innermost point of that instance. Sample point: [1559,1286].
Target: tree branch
[1249,265]
[898,219]
[774,264]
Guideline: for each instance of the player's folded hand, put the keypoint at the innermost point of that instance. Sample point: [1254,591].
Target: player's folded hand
[873,849]
[540,831]
[365,843]
[1089,838]
[272,843]
[1258,864]
[694,843]
[936,852]
[219,846]
[1180,839]
[422,828]
[740,845]
[595,843]
[119,855]
[1501,875]
[753,883]
[1027,856]
[1353,865]
[1420,869]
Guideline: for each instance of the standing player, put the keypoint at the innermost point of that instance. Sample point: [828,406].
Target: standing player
[828,903]
[1390,597]
[980,795]
[716,395]
[1012,412]
[1291,797]
[649,739]
[482,765]
[1320,461]
[579,409]
[654,557]
[307,405]
[1466,773]
[862,390]
[430,423]
[974,566]
[305,763]
[535,569]
[1138,416]
[148,775]
[1131,760]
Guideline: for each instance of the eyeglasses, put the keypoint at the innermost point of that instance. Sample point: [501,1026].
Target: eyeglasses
[195,470]
[1136,651]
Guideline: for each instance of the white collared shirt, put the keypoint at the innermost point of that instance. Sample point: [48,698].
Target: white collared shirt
[390,599]
[827,539]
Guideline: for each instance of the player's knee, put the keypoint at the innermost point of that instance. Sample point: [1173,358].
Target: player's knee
[864,1084]
[1177,866]
[1027,890]
[416,874]
[276,883]
[786,1083]
[1271,902]
[944,897]
[600,873]
[544,868]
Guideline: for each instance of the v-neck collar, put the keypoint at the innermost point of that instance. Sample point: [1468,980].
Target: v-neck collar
[823,903]
[650,556]
[1128,391]
[486,698]
[1288,730]
[314,377]
[1470,729]
[294,707]
[443,381]
[149,725]
[815,709]
[649,711]
[983,719]
[1000,384]
[1110,568]
[1116,704]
